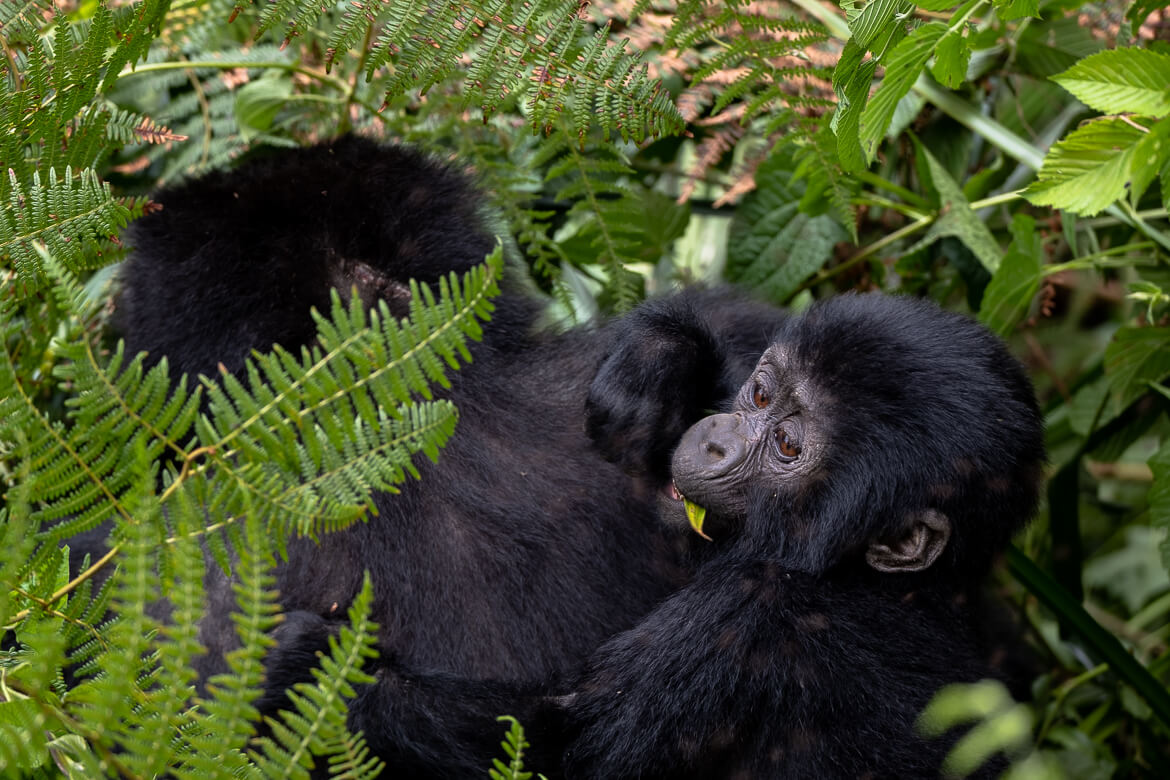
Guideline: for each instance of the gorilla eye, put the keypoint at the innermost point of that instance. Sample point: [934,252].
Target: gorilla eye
[789,446]
[760,396]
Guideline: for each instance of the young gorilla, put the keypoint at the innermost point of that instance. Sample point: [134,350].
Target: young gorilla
[879,457]
[522,549]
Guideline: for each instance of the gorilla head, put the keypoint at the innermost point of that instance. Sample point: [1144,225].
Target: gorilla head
[877,428]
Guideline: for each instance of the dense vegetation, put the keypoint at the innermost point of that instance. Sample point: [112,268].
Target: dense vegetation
[1010,158]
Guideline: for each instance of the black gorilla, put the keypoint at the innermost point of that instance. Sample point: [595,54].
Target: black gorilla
[523,549]
[873,465]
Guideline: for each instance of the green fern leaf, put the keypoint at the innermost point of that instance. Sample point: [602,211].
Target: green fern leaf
[317,727]
[68,214]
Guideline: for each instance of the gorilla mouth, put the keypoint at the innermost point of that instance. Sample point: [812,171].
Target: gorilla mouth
[672,492]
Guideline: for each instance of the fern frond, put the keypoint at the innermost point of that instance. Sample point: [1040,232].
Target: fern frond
[604,210]
[318,725]
[514,745]
[80,473]
[230,716]
[541,50]
[341,417]
[67,214]
[21,19]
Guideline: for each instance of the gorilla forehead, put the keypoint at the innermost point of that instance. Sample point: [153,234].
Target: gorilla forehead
[898,377]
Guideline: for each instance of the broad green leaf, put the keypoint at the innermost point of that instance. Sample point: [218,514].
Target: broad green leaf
[936,5]
[1014,285]
[1121,81]
[903,66]
[258,102]
[1159,497]
[772,246]
[1007,10]
[955,215]
[1088,169]
[874,18]
[950,59]
[1135,358]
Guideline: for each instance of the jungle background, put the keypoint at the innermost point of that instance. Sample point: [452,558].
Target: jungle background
[1007,158]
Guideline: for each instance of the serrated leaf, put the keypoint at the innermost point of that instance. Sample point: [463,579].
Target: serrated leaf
[850,104]
[956,218]
[1088,169]
[1007,10]
[1015,282]
[772,246]
[903,66]
[950,59]
[1121,81]
[875,17]
[1135,358]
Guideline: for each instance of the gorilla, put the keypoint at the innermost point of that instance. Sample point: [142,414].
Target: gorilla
[864,479]
[539,533]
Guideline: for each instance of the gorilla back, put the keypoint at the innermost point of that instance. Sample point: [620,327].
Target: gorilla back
[523,548]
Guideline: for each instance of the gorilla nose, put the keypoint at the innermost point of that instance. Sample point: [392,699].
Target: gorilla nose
[715,443]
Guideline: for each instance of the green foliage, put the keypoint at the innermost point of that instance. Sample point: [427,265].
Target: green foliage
[538,52]
[514,745]
[934,148]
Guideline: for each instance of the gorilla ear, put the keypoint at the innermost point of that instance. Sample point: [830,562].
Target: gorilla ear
[917,549]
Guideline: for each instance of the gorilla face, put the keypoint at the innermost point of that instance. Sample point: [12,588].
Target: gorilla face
[773,436]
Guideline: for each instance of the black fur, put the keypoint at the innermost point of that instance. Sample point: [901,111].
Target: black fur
[789,656]
[523,549]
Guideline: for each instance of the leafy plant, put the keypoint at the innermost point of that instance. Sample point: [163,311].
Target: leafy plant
[1008,158]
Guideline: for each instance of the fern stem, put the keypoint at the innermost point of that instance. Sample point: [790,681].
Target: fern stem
[346,124]
[72,585]
[48,609]
[337,83]
[205,112]
[919,224]
[886,203]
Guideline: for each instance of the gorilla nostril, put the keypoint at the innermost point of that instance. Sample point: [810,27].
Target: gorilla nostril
[714,449]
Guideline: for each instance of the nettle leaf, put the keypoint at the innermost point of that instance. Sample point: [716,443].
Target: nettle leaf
[1134,359]
[1014,285]
[1089,168]
[956,218]
[874,19]
[851,80]
[903,66]
[1007,10]
[951,59]
[1121,81]
[773,247]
